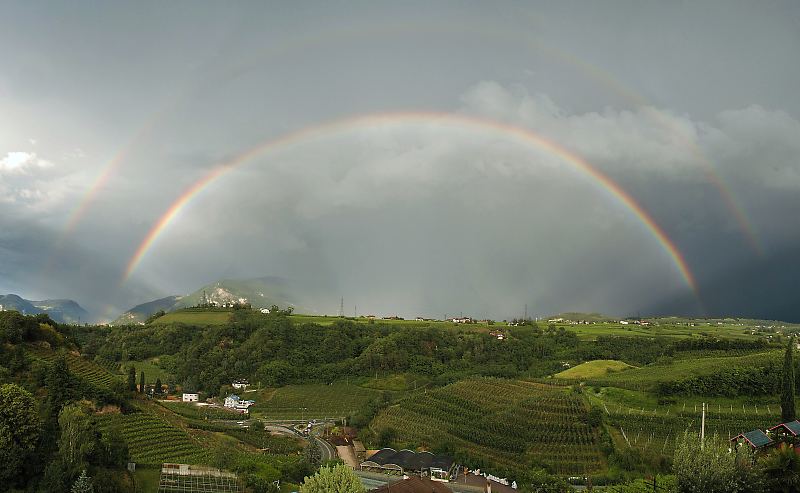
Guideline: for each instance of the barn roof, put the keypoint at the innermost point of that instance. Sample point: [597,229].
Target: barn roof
[756,438]
[792,427]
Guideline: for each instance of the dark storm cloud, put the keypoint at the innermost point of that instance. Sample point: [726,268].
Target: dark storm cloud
[669,100]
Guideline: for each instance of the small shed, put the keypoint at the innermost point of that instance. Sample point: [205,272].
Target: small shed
[791,429]
[756,439]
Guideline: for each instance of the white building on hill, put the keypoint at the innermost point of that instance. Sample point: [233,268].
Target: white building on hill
[190,397]
[235,402]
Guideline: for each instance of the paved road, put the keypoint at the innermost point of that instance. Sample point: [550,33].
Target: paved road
[326,450]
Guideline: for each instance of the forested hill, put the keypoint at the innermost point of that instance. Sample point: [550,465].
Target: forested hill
[276,349]
[62,311]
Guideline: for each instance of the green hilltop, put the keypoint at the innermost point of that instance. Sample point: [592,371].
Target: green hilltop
[260,292]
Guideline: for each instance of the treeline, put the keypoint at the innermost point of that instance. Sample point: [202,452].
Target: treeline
[746,381]
[641,351]
[272,350]
[16,328]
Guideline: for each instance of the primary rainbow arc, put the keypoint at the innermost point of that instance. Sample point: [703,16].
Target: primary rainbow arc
[470,122]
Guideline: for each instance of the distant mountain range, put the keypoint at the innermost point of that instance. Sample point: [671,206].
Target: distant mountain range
[261,292]
[62,311]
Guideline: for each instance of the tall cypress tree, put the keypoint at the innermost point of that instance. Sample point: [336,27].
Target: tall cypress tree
[132,379]
[787,393]
[141,382]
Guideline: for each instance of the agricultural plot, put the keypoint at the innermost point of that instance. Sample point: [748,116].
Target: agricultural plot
[151,440]
[658,432]
[659,328]
[81,367]
[636,419]
[150,367]
[192,411]
[313,401]
[503,423]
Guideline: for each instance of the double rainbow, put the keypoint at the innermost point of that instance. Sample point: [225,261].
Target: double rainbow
[510,131]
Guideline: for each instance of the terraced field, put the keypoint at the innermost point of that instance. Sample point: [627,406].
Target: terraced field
[504,423]
[313,401]
[82,367]
[151,440]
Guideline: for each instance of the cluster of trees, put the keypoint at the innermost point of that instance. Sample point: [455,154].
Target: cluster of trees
[729,382]
[17,328]
[46,448]
[51,442]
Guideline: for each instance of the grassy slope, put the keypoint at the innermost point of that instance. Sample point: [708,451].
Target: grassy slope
[201,318]
[594,369]
[150,367]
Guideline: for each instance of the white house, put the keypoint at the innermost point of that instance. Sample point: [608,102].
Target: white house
[188,397]
[240,384]
[265,310]
[235,402]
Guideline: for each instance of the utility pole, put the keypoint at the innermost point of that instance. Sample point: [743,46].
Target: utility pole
[526,312]
[341,307]
[355,311]
[703,428]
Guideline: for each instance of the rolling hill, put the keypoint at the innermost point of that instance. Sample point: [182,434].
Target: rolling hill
[139,313]
[260,292]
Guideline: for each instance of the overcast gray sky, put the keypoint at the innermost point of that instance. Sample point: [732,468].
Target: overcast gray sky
[691,108]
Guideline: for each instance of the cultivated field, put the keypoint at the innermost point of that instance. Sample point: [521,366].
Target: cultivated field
[637,419]
[192,411]
[81,367]
[500,423]
[313,401]
[152,440]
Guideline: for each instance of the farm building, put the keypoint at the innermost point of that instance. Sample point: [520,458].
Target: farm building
[756,439]
[190,397]
[414,484]
[235,402]
[388,460]
[785,431]
[240,384]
